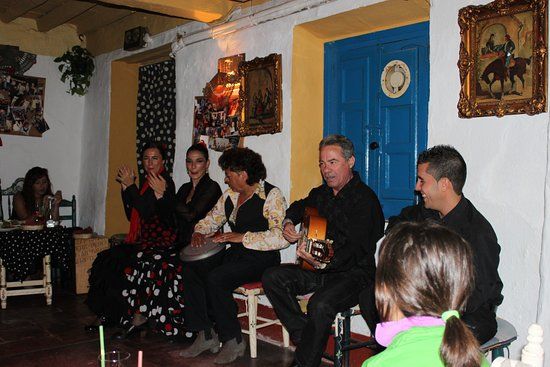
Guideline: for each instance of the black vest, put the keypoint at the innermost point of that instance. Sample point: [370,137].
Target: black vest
[250,218]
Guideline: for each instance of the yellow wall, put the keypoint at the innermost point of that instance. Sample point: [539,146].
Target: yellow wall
[122,140]
[308,75]
[22,32]
[307,112]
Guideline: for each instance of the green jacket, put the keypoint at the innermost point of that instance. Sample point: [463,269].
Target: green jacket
[416,347]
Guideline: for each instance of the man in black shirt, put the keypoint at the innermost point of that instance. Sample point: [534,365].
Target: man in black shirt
[441,174]
[355,222]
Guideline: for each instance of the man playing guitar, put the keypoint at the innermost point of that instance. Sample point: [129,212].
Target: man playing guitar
[355,222]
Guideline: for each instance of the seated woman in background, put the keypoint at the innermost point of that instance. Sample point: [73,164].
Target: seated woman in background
[155,292]
[150,210]
[32,200]
[423,280]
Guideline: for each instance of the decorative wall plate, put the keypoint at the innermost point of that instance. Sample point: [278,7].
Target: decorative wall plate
[395,79]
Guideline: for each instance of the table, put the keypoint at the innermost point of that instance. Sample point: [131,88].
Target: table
[19,249]
[85,252]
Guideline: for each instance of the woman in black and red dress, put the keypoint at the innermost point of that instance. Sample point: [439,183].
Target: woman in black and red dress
[150,210]
[155,289]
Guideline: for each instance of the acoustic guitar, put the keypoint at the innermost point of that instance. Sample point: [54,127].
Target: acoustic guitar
[314,231]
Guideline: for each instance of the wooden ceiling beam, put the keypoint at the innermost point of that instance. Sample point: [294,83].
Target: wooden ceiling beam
[62,14]
[99,17]
[200,10]
[17,8]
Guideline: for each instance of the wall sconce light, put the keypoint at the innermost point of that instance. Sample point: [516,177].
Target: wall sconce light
[177,45]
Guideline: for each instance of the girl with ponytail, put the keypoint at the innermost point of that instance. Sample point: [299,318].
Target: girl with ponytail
[423,280]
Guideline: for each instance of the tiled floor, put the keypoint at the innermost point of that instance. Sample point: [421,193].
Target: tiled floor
[33,334]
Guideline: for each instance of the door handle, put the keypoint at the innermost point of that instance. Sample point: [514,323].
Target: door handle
[374,145]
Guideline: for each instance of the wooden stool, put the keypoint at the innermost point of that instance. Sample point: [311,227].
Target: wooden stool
[252,291]
[506,334]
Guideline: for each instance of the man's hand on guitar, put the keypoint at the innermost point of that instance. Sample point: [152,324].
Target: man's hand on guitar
[290,234]
[232,237]
[302,253]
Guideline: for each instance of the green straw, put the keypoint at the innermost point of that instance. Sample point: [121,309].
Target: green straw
[102,345]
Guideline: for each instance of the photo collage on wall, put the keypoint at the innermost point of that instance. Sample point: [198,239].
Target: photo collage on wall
[22,105]
[217,111]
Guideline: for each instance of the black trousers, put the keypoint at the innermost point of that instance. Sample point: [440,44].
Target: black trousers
[334,292]
[368,309]
[482,322]
[208,293]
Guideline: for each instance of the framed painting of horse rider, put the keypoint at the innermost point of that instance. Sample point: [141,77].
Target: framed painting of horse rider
[503,56]
[261,96]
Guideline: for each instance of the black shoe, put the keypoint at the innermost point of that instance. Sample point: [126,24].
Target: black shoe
[94,327]
[127,333]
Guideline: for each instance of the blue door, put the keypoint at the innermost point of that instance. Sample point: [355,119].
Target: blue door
[376,93]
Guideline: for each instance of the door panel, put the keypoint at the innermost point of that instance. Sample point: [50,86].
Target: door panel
[388,133]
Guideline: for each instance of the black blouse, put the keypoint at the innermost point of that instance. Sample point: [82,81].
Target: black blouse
[188,214]
[157,215]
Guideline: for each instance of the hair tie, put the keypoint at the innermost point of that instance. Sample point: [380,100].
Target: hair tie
[448,314]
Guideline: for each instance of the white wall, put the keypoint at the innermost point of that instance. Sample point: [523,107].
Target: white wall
[506,169]
[59,149]
[507,157]
[95,139]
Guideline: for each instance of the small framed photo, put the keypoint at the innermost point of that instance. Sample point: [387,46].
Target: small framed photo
[503,56]
[261,96]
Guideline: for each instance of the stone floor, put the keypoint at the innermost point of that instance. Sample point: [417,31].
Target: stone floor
[33,334]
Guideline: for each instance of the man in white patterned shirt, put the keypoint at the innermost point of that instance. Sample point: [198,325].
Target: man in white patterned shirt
[254,210]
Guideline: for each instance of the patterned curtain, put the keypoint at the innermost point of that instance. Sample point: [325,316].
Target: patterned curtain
[156,110]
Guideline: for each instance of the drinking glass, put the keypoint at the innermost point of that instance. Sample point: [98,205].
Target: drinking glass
[50,222]
[38,214]
[115,358]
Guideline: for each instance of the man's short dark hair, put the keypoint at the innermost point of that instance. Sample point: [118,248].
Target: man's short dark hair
[445,161]
[340,140]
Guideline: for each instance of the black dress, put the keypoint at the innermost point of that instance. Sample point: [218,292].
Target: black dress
[108,276]
[207,193]
[155,284]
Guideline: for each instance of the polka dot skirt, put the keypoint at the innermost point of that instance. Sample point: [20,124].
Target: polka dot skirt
[156,290]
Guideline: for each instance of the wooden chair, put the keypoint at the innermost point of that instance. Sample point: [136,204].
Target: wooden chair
[532,353]
[343,343]
[70,213]
[26,287]
[252,291]
[9,192]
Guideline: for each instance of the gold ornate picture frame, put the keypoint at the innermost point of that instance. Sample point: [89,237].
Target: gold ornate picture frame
[503,58]
[261,96]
